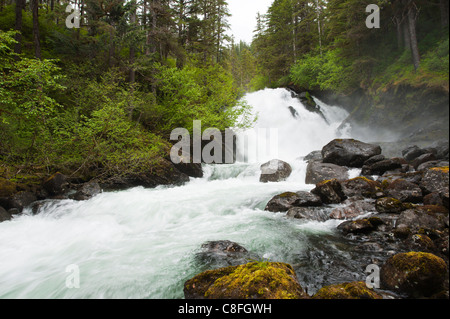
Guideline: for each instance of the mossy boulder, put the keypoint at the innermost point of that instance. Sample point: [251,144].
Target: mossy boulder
[417,274]
[352,290]
[256,280]
[361,186]
[330,192]
[390,205]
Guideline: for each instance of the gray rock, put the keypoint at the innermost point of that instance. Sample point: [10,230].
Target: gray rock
[308,213]
[4,215]
[275,171]
[317,172]
[349,152]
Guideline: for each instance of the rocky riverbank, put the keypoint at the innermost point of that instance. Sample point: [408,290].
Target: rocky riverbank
[397,207]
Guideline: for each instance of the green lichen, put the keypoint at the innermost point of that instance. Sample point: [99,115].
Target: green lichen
[353,290]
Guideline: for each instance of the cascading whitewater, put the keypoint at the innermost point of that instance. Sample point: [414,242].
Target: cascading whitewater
[143,243]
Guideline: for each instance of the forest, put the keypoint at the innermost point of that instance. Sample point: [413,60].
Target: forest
[103,97]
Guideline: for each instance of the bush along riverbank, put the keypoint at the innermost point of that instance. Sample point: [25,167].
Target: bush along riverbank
[397,206]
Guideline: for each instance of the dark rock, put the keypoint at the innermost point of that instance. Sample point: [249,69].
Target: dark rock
[413,152]
[282,202]
[353,290]
[224,246]
[192,169]
[293,112]
[315,156]
[445,198]
[275,171]
[360,186]
[405,191]
[423,219]
[87,191]
[18,201]
[417,274]
[307,199]
[250,281]
[4,215]
[427,165]
[442,150]
[349,152]
[435,180]
[412,177]
[222,253]
[330,192]
[423,159]
[308,213]
[374,159]
[360,226]
[390,205]
[317,172]
[353,208]
[381,167]
[433,199]
[56,184]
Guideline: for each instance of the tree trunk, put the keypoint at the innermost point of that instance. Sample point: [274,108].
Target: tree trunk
[20,4]
[413,35]
[36,41]
[443,4]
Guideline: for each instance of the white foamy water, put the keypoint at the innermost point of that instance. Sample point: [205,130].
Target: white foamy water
[142,243]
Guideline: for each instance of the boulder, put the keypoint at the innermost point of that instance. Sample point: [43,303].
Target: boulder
[428,157]
[18,201]
[381,167]
[412,177]
[217,254]
[282,202]
[352,290]
[361,186]
[190,169]
[432,164]
[405,191]
[4,215]
[56,184]
[330,192]
[256,280]
[285,201]
[315,156]
[433,199]
[308,213]
[353,209]
[87,191]
[360,226]
[317,172]
[412,152]
[390,205]
[349,152]
[435,180]
[416,274]
[275,171]
[426,219]
[374,159]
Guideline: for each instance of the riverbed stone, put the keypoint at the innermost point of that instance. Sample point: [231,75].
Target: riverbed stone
[87,191]
[352,290]
[56,184]
[417,274]
[361,186]
[282,202]
[389,205]
[381,167]
[308,213]
[436,179]
[349,152]
[317,172]
[256,280]
[4,215]
[275,171]
[405,191]
[330,192]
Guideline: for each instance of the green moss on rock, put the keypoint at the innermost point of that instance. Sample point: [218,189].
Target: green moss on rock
[352,290]
[256,280]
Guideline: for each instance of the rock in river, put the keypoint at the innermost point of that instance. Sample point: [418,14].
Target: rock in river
[349,152]
[275,171]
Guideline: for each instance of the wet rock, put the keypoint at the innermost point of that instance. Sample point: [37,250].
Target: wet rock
[275,171]
[389,205]
[352,290]
[413,152]
[318,172]
[360,186]
[426,219]
[190,169]
[432,164]
[405,191]
[87,191]
[224,246]
[360,226]
[330,192]
[57,184]
[349,152]
[381,167]
[308,213]
[374,159]
[18,201]
[4,215]
[433,199]
[255,280]
[416,274]
[435,180]
[315,156]
[282,202]
[307,199]
[423,159]
[353,209]
[412,177]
